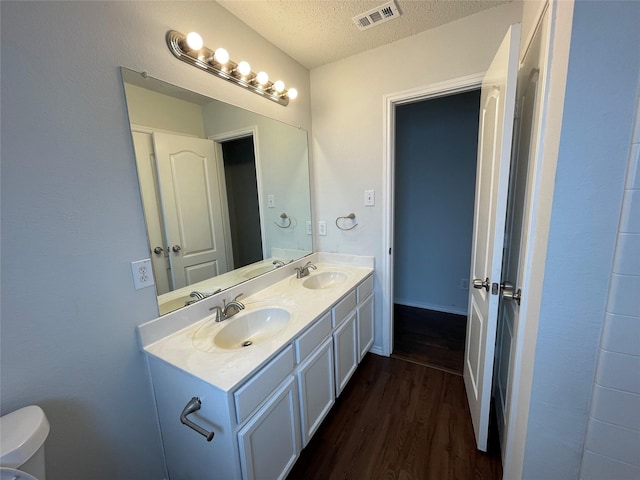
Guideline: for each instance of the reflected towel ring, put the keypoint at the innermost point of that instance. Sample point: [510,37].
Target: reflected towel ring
[284,216]
[351,216]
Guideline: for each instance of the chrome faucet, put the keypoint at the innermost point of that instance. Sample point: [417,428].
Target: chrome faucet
[278,263]
[227,310]
[304,271]
[197,296]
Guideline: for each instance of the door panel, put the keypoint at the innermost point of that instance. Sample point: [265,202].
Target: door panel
[519,210]
[494,152]
[192,207]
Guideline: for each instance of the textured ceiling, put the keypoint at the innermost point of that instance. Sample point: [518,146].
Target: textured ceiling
[316,32]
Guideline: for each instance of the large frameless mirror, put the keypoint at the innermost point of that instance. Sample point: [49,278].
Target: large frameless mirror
[225,191]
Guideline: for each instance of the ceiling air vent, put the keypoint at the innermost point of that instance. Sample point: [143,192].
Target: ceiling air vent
[378,15]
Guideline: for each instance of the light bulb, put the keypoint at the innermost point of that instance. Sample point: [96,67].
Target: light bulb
[279,86]
[293,93]
[221,56]
[244,68]
[262,78]
[194,41]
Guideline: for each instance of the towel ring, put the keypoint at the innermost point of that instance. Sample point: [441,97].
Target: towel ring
[284,216]
[351,216]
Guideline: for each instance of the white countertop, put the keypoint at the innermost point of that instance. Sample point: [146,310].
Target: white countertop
[192,350]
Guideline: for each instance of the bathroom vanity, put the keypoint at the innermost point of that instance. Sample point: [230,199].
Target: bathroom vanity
[303,340]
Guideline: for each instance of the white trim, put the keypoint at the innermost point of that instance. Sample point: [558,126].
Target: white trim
[434,90]
[251,131]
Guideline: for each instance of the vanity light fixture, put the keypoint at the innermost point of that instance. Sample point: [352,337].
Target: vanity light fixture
[190,49]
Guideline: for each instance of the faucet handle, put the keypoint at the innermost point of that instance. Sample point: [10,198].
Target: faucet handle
[237,296]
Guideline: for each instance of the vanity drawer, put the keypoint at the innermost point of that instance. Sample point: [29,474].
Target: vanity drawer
[365,288]
[344,308]
[262,384]
[313,337]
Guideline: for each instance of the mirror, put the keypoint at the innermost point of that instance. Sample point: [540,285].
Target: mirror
[225,191]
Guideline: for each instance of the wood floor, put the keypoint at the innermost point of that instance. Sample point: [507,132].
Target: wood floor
[435,339]
[397,420]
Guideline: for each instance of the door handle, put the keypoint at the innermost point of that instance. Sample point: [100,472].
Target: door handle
[157,250]
[480,284]
[176,248]
[508,293]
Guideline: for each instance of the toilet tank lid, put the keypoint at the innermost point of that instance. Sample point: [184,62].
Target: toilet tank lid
[22,433]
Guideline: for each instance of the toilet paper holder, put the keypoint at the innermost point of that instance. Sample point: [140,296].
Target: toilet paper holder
[193,406]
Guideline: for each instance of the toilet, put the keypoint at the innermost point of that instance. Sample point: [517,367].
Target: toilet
[22,437]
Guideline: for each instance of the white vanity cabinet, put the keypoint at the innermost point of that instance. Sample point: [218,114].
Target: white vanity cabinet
[316,388]
[270,440]
[263,422]
[365,317]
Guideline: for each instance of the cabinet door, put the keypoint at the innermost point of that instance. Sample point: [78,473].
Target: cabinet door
[316,387]
[345,341]
[270,441]
[365,326]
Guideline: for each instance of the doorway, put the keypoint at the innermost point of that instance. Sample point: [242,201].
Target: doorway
[241,183]
[434,192]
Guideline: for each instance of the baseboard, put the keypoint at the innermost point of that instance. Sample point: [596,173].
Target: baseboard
[432,306]
[377,350]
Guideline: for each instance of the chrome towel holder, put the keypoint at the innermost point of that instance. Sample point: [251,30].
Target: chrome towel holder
[193,406]
[352,217]
[284,217]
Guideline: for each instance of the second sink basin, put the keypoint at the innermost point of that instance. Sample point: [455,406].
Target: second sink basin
[324,280]
[252,327]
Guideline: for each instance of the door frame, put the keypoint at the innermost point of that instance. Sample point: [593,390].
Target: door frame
[390,101]
[222,137]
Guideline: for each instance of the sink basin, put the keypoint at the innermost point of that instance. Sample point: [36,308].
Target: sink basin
[254,272]
[324,280]
[246,329]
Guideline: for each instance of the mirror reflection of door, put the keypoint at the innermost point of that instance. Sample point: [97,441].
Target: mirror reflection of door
[191,201]
[242,200]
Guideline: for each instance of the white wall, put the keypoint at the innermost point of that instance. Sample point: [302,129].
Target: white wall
[347,104]
[598,111]
[612,445]
[72,218]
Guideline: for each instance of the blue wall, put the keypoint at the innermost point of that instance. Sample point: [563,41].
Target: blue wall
[436,143]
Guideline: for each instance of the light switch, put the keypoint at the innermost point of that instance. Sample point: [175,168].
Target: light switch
[322,228]
[271,201]
[369,198]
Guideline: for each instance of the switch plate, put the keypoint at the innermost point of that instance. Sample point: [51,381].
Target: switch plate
[271,201]
[369,198]
[309,230]
[142,273]
[322,228]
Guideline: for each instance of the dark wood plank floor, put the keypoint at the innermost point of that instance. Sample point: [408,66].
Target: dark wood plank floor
[431,338]
[397,420]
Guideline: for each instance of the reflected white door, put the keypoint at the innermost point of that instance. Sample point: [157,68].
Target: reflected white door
[191,206]
[492,183]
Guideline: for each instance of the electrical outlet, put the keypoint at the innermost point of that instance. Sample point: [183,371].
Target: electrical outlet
[271,201]
[309,230]
[369,198]
[464,284]
[322,228]
[142,273]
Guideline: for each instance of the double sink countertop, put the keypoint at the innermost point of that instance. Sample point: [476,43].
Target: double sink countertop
[185,339]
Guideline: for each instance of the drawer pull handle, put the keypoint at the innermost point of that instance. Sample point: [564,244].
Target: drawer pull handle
[191,407]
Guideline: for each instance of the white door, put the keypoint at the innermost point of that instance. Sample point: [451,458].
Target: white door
[530,78]
[191,207]
[497,103]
